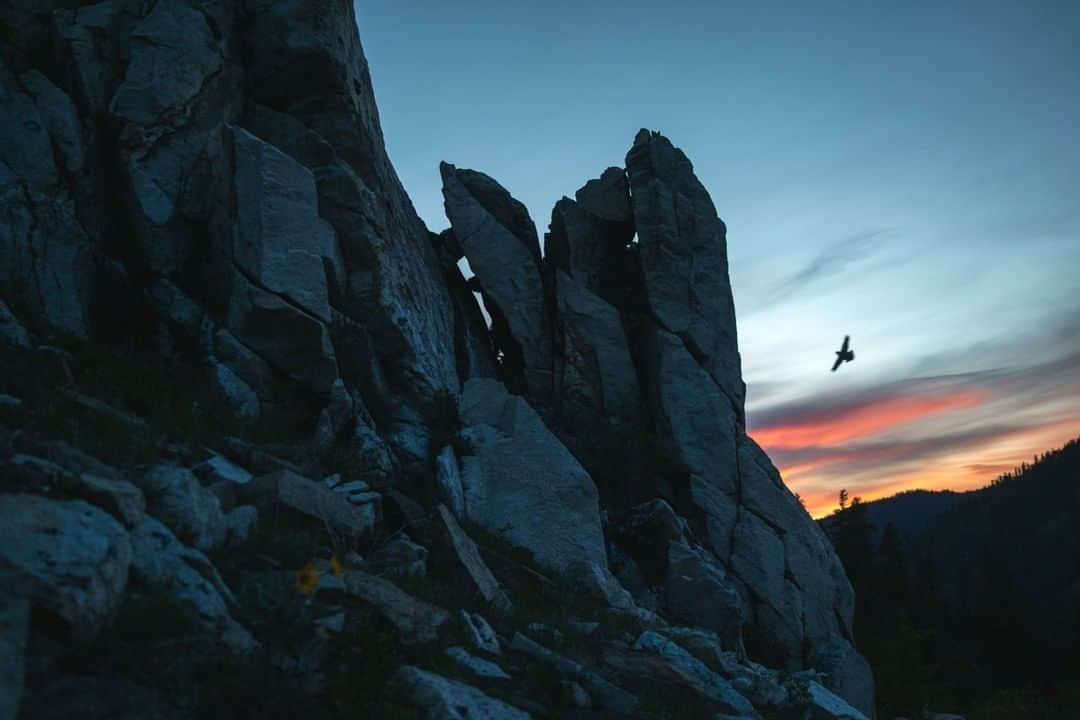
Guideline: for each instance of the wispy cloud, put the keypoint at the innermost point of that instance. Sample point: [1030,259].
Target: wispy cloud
[829,263]
[956,430]
[876,411]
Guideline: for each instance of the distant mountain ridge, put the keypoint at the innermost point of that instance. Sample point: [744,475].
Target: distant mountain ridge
[910,512]
[918,514]
[971,601]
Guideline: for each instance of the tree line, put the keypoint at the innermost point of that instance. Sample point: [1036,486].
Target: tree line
[978,612]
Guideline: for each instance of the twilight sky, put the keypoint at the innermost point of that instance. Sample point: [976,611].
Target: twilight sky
[906,173]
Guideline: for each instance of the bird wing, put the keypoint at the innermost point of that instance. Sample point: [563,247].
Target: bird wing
[836,364]
[847,338]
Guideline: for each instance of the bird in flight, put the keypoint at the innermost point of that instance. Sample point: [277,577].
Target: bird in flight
[844,354]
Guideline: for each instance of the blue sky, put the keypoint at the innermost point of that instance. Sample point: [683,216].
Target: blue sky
[907,173]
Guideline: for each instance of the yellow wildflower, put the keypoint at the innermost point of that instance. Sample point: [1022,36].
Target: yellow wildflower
[307,579]
[335,566]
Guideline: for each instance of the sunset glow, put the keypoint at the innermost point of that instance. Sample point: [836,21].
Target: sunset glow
[859,422]
[878,449]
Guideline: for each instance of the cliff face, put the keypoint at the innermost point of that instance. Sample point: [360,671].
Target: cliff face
[204,186]
[647,367]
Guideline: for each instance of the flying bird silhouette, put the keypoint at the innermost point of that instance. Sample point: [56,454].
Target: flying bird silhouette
[844,354]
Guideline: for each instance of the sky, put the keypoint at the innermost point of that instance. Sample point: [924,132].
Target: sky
[905,173]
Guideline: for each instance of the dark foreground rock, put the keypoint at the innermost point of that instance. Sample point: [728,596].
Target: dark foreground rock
[253,421]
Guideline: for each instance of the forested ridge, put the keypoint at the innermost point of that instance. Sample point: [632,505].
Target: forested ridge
[976,609]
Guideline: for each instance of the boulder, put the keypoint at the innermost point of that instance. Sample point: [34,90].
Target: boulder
[656,660]
[333,418]
[67,557]
[477,668]
[683,250]
[398,558]
[479,633]
[706,682]
[417,622]
[163,562]
[596,583]
[176,498]
[218,468]
[464,555]
[290,339]
[699,592]
[846,673]
[760,685]
[118,497]
[242,522]
[434,697]
[356,492]
[234,392]
[605,695]
[500,243]
[75,460]
[279,240]
[60,119]
[448,482]
[821,704]
[311,499]
[523,484]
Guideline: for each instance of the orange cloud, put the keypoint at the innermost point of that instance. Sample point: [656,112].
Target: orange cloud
[861,421]
[957,431]
[965,468]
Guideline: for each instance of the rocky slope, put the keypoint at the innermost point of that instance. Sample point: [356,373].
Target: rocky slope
[224,329]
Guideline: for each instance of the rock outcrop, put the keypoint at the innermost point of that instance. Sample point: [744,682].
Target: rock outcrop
[69,558]
[683,255]
[520,482]
[649,395]
[499,240]
[212,279]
